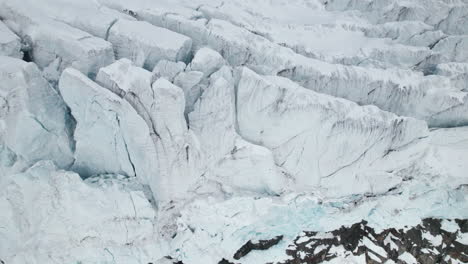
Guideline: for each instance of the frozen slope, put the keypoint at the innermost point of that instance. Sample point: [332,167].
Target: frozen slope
[207,131]
[34,121]
[301,126]
[404,92]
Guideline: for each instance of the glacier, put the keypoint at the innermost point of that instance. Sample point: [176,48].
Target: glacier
[207,131]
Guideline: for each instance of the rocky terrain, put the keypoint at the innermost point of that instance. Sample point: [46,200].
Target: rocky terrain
[208,131]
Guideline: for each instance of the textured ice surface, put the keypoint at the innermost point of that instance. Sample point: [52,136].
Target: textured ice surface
[161,105]
[178,130]
[10,44]
[146,44]
[34,122]
[110,136]
[229,158]
[50,215]
[301,126]
[56,45]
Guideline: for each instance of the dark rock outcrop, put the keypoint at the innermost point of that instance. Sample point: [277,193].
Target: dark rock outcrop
[260,245]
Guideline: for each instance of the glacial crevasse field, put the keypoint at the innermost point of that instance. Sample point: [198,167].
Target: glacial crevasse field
[218,132]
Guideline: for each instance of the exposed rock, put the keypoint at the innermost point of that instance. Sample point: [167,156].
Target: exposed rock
[424,243]
[256,245]
[225,261]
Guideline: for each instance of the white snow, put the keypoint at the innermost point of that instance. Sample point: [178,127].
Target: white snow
[450,226]
[434,240]
[389,241]
[407,258]
[462,238]
[370,245]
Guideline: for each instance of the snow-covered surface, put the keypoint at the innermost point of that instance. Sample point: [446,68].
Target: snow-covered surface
[136,130]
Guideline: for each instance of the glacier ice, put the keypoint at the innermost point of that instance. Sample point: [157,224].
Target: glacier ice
[191,84]
[176,131]
[145,44]
[207,61]
[110,136]
[10,44]
[55,45]
[168,69]
[161,105]
[34,121]
[400,91]
[229,158]
[299,126]
[53,215]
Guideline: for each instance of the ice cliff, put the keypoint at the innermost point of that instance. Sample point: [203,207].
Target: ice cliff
[207,131]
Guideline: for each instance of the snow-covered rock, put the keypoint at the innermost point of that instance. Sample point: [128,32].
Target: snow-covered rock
[326,142]
[110,135]
[10,44]
[34,122]
[145,44]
